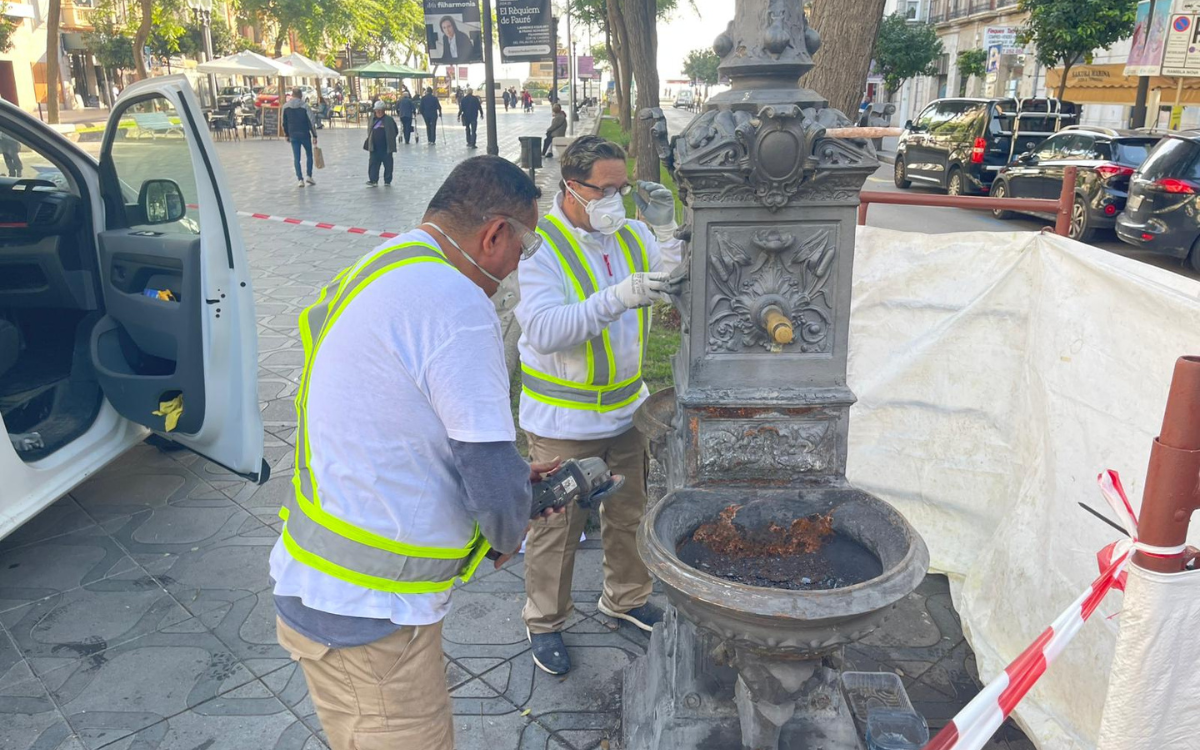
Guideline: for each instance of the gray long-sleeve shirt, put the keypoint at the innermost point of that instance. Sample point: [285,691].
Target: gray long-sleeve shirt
[499,497]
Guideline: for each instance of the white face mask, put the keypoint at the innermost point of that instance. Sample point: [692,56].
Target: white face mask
[607,215]
[458,247]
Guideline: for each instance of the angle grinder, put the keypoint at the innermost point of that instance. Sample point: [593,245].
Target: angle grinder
[586,481]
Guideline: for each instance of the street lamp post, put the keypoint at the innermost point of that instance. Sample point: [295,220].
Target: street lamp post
[202,12]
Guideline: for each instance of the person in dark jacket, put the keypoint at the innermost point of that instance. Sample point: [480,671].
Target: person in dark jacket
[469,110]
[298,128]
[380,144]
[406,106]
[507,100]
[431,110]
[557,129]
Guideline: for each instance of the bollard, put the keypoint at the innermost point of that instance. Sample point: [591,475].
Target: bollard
[531,153]
[1173,476]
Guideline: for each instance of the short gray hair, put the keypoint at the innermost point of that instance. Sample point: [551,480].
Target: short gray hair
[583,153]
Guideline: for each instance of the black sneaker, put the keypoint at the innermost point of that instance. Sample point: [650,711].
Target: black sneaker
[549,652]
[644,617]
[371,184]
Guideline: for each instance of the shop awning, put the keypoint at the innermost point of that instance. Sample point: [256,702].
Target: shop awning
[247,63]
[386,70]
[1108,84]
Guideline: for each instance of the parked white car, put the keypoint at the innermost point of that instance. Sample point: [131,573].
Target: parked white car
[125,299]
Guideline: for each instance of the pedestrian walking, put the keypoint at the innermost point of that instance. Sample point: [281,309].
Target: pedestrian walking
[557,129]
[583,331]
[409,473]
[469,110]
[431,110]
[10,148]
[528,99]
[380,144]
[507,100]
[406,106]
[298,127]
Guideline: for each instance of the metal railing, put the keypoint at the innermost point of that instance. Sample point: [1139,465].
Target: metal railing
[939,11]
[960,9]
[1060,207]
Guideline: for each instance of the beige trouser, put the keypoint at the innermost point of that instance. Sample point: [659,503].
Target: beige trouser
[550,547]
[386,695]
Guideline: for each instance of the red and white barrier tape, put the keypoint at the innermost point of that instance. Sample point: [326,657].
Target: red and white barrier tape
[317,224]
[978,720]
[321,225]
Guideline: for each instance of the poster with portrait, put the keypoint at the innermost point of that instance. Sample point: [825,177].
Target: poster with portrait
[452,32]
[1149,39]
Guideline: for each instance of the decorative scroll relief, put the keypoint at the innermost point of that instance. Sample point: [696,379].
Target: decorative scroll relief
[751,269]
[756,449]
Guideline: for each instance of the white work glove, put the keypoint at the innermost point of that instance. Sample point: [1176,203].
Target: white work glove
[657,208]
[643,289]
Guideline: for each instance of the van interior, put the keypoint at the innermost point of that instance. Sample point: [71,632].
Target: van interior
[49,301]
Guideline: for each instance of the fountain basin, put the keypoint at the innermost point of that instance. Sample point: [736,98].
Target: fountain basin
[781,623]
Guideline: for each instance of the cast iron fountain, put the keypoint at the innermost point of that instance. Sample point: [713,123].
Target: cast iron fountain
[754,433]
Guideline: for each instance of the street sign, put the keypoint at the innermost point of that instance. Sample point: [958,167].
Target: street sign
[563,71]
[1182,56]
[585,66]
[524,28]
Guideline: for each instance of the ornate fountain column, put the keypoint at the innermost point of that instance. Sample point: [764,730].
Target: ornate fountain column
[759,412]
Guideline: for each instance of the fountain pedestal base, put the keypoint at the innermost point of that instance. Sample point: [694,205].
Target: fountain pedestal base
[692,692]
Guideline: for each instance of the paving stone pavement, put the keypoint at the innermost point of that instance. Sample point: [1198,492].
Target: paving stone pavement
[135,613]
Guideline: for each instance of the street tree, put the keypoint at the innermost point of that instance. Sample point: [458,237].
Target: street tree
[848,30]
[640,19]
[110,43]
[701,65]
[53,19]
[1066,37]
[145,26]
[905,50]
[970,62]
[8,27]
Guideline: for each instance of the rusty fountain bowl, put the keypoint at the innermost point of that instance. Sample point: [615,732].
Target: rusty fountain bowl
[778,622]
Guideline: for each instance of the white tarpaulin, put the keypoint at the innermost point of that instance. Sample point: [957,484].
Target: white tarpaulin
[1155,682]
[997,375]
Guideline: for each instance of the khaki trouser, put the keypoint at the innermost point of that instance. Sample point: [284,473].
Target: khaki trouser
[386,695]
[550,547]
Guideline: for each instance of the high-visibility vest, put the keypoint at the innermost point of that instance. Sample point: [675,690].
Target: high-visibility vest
[320,539]
[601,391]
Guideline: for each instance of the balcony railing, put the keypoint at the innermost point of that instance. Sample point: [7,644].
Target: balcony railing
[77,16]
[946,10]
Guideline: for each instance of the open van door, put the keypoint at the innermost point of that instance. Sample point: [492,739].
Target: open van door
[177,348]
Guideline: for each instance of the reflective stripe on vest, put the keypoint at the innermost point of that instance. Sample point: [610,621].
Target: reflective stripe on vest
[598,392]
[318,538]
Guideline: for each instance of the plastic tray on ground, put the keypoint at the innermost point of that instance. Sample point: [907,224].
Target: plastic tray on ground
[888,729]
[868,691]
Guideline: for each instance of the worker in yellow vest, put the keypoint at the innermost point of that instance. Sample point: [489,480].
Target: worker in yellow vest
[405,472]
[585,315]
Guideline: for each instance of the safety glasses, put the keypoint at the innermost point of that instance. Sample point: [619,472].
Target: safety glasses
[531,241]
[608,192]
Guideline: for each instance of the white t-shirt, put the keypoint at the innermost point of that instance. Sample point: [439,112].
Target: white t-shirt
[417,358]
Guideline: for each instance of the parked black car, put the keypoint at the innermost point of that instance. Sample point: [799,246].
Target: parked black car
[231,96]
[961,144]
[1163,210]
[1105,158]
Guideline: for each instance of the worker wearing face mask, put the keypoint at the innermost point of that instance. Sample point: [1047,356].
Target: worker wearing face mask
[585,315]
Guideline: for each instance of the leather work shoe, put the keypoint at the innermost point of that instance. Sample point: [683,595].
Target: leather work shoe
[549,652]
[644,617]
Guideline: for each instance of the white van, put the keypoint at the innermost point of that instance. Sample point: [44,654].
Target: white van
[125,299]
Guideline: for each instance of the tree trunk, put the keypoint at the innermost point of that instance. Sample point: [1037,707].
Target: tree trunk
[1062,82]
[139,39]
[622,65]
[643,48]
[848,30]
[53,17]
[279,42]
